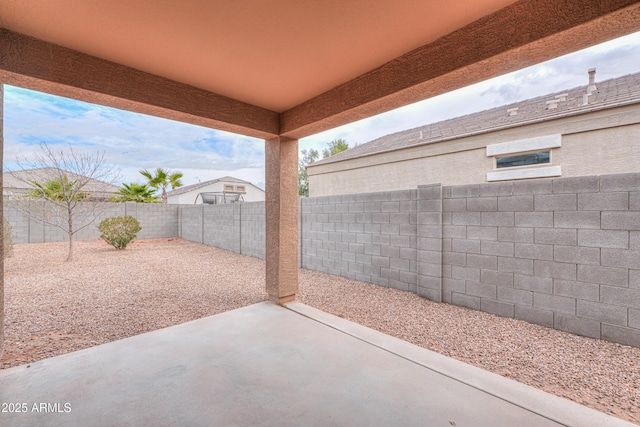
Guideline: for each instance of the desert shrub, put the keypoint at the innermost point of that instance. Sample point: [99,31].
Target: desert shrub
[8,238]
[119,231]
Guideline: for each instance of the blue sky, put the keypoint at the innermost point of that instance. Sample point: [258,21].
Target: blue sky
[133,141]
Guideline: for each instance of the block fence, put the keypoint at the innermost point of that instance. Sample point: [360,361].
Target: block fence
[563,252]
[239,228]
[157,221]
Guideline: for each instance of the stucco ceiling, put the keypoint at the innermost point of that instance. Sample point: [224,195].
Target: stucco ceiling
[286,68]
[274,54]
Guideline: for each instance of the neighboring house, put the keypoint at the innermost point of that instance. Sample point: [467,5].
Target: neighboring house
[16,183]
[589,130]
[189,194]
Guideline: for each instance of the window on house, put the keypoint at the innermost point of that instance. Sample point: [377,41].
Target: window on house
[228,187]
[240,188]
[539,158]
[524,158]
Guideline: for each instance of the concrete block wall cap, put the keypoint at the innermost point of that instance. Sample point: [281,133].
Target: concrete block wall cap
[532,399]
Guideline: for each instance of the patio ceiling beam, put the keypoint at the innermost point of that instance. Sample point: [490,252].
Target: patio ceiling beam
[522,34]
[35,64]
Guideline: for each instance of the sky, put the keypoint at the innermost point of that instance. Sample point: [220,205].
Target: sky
[132,142]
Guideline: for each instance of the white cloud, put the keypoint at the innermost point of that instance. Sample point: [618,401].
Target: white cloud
[131,141]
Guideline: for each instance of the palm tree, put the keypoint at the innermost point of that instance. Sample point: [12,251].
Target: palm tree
[163,179]
[135,193]
[57,190]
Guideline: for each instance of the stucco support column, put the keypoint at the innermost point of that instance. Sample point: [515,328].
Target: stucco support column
[1,220]
[281,169]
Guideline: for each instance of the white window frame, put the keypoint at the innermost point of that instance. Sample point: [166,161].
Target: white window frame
[511,174]
[524,146]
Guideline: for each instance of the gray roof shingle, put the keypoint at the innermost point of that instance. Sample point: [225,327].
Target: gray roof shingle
[610,93]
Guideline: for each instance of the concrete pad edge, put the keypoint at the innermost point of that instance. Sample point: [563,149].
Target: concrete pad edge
[532,399]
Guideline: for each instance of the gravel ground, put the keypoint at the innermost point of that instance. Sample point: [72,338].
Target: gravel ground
[53,307]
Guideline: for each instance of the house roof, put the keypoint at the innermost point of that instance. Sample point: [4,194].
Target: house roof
[609,94]
[188,188]
[19,179]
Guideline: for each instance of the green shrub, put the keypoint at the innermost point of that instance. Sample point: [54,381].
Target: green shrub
[119,231]
[8,238]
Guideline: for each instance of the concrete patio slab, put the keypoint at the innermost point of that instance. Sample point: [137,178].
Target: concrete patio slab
[270,365]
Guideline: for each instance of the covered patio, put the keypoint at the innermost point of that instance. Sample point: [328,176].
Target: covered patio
[270,365]
[281,70]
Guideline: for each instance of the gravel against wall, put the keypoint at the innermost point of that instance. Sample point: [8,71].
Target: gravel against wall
[54,307]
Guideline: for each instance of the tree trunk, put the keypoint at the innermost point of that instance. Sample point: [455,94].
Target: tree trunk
[70,256]
[70,231]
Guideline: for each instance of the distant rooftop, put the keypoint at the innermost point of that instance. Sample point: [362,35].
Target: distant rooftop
[192,187]
[21,179]
[603,95]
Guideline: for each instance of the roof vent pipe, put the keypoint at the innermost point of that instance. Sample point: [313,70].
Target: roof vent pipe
[592,81]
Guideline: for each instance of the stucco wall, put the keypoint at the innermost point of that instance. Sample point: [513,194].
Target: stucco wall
[604,142]
[599,152]
[464,167]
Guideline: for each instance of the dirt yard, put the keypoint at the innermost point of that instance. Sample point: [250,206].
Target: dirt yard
[55,307]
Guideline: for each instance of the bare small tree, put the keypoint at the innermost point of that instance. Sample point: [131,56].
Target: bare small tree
[65,188]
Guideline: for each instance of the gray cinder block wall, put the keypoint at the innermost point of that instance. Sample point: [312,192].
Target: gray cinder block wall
[222,226]
[367,237]
[252,233]
[563,253]
[191,223]
[157,221]
[429,236]
[239,228]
